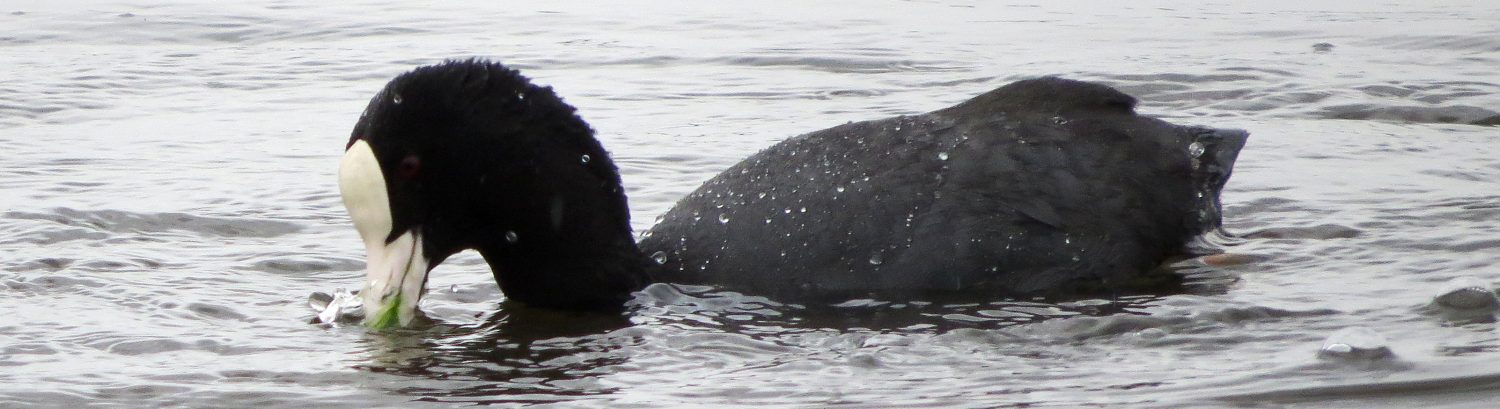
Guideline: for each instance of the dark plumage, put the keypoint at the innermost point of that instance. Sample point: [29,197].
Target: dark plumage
[501,169]
[1041,186]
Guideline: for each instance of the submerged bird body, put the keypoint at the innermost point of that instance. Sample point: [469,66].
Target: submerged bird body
[1041,186]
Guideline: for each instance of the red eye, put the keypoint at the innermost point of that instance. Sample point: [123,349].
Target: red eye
[409,166]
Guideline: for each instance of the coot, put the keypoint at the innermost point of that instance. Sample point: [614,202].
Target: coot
[1041,186]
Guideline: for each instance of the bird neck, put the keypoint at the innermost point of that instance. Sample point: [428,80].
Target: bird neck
[567,273]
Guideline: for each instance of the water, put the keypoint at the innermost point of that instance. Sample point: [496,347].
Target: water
[168,202]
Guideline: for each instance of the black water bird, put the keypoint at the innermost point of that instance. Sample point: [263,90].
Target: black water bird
[1042,186]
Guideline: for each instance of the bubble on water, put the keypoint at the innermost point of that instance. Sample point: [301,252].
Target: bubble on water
[876,259]
[584,159]
[659,257]
[511,237]
[942,155]
[1355,343]
[318,301]
[839,189]
[342,305]
[723,218]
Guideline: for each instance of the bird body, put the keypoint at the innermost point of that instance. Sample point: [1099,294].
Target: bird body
[1043,186]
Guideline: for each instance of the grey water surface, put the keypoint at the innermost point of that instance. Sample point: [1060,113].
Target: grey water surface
[168,203]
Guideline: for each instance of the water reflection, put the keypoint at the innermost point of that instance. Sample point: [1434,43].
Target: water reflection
[526,355]
[699,306]
[517,354]
[520,354]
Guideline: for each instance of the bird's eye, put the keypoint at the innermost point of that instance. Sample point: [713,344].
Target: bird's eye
[409,167]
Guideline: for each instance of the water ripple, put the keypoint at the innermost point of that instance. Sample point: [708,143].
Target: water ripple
[114,221]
